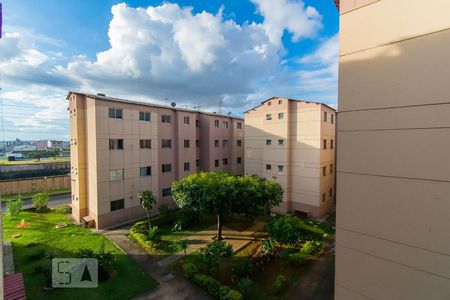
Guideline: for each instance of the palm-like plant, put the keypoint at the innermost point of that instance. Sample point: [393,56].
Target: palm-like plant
[182,245]
[147,199]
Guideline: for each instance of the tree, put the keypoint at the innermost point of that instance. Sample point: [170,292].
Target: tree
[221,194]
[40,201]
[213,254]
[147,200]
[14,207]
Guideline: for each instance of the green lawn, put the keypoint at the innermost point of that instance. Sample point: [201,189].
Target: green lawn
[27,196]
[127,279]
[4,161]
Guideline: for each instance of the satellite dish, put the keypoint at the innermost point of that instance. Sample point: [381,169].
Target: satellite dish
[173,104]
[229,113]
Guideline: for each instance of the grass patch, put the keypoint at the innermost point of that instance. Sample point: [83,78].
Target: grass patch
[27,196]
[41,235]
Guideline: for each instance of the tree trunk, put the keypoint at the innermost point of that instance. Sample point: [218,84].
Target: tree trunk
[219,228]
[148,219]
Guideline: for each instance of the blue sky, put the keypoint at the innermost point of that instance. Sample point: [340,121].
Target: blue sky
[240,51]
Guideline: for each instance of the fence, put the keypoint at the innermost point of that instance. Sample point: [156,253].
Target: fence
[34,185]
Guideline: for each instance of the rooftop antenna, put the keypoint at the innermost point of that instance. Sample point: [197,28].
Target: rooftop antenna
[166,100]
[197,107]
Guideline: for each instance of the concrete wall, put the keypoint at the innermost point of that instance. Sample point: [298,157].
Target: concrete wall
[34,185]
[393,183]
[33,170]
[302,130]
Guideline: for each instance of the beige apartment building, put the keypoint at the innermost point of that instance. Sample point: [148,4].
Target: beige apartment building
[393,160]
[120,148]
[293,142]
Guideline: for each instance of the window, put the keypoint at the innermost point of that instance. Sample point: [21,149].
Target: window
[331,192]
[331,144]
[325,115]
[324,171]
[280,101]
[280,142]
[225,124]
[115,113]
[166,168]
[186,120]
[331,168]
[187,143]
[165,119]
[197,123]
[225,143]
[332,119]
[269,103]
[216,143]
[145,171]
[268,117]
[166,192]
[197,143]
[225,161]
[117,204]
[116,144]
[280,116]
[280,168]
[323,197]
[268,142]
[197,162]
[115,175]
[216,123]
[324,144]
[187,166]
[145,144]
[268,167]
[239,143]
[166,143]
[216,163]
[239,160]
[239,125]
[144,116]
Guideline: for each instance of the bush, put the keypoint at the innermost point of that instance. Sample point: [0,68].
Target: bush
[213,253]
[290,230]
[141,239]
[104,259]
[241,269]
[245,285]
[154,234]
[189,270]
[310,247]
[40,201]
[297,259]
[214,288]
[14,207]
[279,284]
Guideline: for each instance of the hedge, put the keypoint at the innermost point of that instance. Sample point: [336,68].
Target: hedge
[141,239]
[214,288]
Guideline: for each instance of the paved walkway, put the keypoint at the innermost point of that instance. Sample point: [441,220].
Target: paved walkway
[237,239]
[171,286]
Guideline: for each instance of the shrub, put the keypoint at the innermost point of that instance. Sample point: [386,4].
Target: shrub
[310,247]
[214,288]
[289,230]
[154,234]
[279,284]
[297,259]
[141,239]
[104,259]
[40,201]
[213,253]
[241,269]
[14,207]
[189,270]
[244,285]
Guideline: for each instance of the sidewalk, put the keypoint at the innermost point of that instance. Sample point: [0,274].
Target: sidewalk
[171,286]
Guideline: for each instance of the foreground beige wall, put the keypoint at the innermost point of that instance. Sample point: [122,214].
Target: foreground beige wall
[393,182]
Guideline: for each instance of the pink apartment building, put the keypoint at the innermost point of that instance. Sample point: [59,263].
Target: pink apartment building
[121,147]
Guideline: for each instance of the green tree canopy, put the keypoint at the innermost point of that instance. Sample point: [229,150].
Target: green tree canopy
[222,194]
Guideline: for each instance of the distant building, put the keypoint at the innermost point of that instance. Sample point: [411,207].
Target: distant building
[294,143]
[21,151]
[120,148]
[41,145]
[52,144]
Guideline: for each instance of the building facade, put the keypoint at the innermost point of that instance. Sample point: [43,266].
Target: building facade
[393,180]
[293,142]
[120,148]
